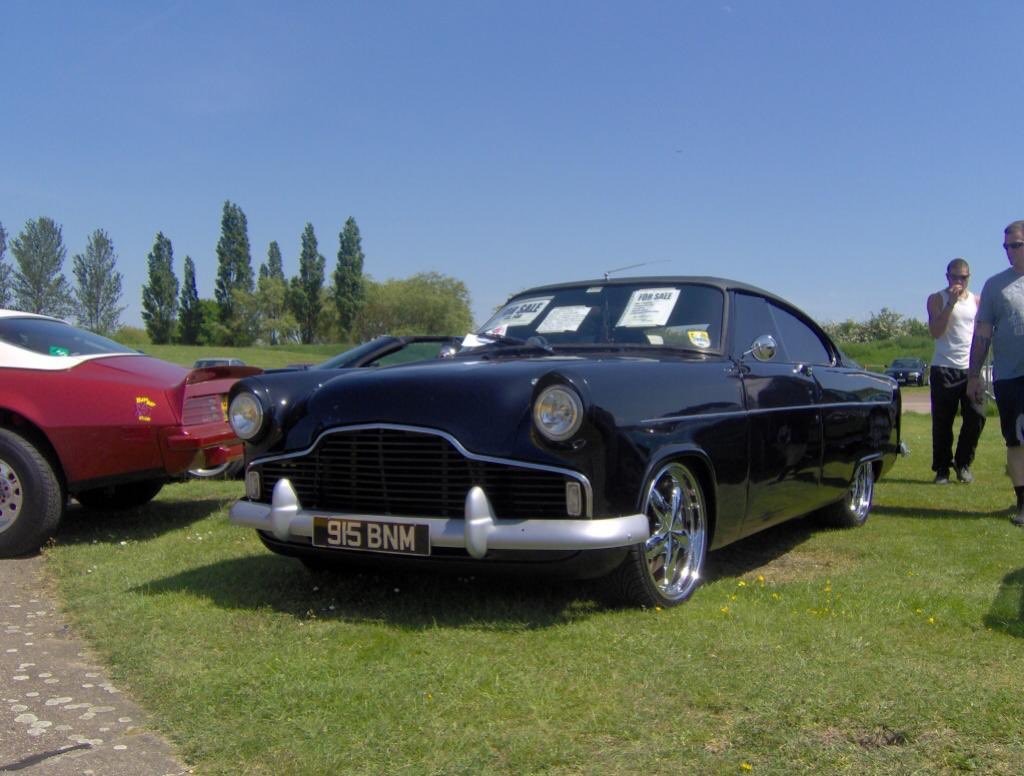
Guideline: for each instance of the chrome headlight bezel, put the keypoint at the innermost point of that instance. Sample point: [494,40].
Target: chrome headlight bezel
[245,414]
[558,413]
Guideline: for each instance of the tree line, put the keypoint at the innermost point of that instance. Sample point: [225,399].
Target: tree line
[886,324]
[247,307]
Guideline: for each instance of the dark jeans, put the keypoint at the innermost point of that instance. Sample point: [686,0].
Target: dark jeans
[949,391]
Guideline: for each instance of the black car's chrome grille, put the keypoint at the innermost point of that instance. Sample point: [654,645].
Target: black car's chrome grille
[383,471]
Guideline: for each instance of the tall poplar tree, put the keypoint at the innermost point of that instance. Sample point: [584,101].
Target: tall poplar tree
[274,268]
[234,261]
[39,284]
[99,285]
[6,295]
[160,295]
[305,287]
[349,288]
[190,312]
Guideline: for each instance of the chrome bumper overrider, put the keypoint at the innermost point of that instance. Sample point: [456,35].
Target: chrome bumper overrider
[477,533]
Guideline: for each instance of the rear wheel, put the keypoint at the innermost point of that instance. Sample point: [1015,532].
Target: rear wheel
[667,568]
[31,497]
[855,507]
[126,496]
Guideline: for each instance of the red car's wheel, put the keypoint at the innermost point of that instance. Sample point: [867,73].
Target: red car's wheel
[31,498]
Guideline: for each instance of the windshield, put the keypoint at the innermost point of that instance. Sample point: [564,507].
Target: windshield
[685,315]
[54,338]
[905,363]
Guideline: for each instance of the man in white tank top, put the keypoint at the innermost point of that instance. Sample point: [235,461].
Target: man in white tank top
[951,314]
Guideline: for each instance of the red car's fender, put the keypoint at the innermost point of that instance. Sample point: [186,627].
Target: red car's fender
[120,415]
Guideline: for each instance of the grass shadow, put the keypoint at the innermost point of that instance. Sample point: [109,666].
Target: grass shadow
[419,599]
[414,599]
[934,513]
[86,526]
[1006,614]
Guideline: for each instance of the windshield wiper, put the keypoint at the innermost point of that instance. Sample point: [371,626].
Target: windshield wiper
[535,342]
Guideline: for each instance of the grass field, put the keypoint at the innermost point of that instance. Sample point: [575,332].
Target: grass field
[894,648]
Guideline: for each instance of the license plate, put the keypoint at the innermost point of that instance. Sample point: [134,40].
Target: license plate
[340,533]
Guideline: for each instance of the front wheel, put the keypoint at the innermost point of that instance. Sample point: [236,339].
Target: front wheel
[667,568]
[31,497]
[127,496]
[855,506]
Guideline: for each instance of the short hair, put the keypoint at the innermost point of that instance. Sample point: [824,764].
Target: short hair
[1016,226]
[959,262]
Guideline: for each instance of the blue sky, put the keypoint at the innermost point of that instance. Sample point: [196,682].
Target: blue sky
[838,154]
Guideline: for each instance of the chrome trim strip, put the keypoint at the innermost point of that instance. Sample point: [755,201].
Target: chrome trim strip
[477,533]
[582,479]
[765,410]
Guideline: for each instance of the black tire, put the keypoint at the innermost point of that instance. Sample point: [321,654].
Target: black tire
[855,507]
[31,496]
[226,471]
[127,496]
[668,567]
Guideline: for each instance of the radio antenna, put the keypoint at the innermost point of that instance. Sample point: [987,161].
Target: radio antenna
[634,266]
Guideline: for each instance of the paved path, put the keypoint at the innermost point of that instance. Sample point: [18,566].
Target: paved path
[917,402]
[59,713]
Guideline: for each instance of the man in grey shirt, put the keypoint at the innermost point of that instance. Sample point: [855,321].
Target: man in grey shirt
[1000,324]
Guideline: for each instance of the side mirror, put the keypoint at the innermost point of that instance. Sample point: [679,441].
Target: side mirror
[763,348]
[447,351]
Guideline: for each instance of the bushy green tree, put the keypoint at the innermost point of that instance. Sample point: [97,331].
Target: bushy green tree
[160,294]
[39,284]
[6,296]
[190,315]
[276,322]
[234,262]
[305,288]
[99,285]
[426,303]
[349,285]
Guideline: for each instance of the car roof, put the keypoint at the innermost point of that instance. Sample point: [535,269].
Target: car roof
[724,284]
[20,314]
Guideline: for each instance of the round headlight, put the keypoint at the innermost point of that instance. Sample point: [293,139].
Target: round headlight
[558,413]
[246,415]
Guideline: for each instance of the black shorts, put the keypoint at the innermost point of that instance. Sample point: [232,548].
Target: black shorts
[1010,401]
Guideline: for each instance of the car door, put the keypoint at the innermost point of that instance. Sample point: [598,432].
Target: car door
[783,409]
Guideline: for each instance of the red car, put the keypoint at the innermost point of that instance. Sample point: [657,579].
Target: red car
[83,416]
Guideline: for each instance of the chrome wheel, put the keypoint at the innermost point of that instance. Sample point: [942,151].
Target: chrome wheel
[853,510]
[862,489]
[674,553]
[11,496]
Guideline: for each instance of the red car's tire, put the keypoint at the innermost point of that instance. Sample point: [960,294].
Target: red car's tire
[127,496]
[31,496]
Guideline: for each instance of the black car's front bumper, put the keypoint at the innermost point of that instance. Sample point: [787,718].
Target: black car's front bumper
[478,532]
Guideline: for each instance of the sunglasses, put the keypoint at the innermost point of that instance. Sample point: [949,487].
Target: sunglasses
[1014,246]
[961,278]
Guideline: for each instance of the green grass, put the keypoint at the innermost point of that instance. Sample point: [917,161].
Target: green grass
[894,648]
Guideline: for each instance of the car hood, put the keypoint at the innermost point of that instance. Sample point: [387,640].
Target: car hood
[486,404]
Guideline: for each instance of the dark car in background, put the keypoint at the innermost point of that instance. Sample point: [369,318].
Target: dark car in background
[908,371]
[609,428]
[380,351]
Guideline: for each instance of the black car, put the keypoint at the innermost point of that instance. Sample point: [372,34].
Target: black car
[617,428]
[908,371]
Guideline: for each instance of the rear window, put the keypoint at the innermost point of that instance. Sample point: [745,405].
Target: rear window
[53,338]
